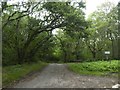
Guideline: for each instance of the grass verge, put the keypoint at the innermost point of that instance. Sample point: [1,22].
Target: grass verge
[13,73]
[99,68]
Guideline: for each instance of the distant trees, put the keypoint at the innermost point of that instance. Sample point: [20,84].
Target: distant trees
[27,28]
[27,32]
[99,35]
[118,30]
[103,30]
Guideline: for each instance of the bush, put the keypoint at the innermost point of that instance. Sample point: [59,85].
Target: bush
[98,67]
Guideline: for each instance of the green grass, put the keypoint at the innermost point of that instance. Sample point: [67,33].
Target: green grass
[16,72]
[99,68]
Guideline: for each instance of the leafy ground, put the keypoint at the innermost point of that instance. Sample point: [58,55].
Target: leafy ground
[96,68]
[16,72]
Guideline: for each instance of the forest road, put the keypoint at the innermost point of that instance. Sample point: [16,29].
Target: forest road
[58,76]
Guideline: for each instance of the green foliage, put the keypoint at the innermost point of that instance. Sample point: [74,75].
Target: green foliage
[16,72]
[95,68]
[118,29]
[103,31]
[27,37]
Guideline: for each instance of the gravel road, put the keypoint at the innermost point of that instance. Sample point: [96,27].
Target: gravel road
[58,76]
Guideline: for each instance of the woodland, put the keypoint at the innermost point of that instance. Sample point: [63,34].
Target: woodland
[58,32]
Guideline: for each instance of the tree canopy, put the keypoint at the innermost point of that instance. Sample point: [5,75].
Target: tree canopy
[27,29]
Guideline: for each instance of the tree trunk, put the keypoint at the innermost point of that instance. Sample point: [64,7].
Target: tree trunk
[112,49]
[94,54]
[77,49]
[94,50]
[119,31]
[77,55]
[65,56]
[119,48]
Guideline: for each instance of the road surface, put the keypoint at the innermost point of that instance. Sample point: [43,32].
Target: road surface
[58,76]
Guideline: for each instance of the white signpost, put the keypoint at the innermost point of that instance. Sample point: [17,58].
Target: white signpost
[107,53]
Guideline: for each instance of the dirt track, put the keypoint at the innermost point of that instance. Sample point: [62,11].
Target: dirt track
[58,76]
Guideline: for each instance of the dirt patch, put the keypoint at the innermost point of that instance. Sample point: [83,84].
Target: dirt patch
[58,76]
